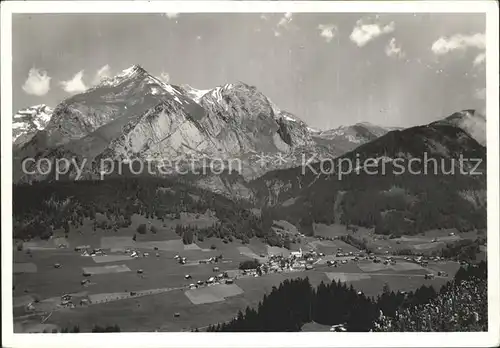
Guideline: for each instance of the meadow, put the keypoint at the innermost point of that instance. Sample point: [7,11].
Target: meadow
[161,298]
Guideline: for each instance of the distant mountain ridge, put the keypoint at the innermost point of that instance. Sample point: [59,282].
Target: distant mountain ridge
[346,138]
[392,201]
[471,121]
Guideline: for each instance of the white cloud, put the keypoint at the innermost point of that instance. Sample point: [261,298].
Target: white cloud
[74,85]
[480,59]
[458,42]
[392,49]
[283,23]
[286,19]
[364,33]
[165,77]
[102,73]
[37,83]
[328,31]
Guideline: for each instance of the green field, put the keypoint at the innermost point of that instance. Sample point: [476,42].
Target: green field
[421,243]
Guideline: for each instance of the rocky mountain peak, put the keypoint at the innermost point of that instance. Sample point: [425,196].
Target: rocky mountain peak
[26,122]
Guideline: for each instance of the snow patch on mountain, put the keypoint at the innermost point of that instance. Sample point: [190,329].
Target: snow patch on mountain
[288,118]
[28,121]
[217,93]
[193,93]
[313,130]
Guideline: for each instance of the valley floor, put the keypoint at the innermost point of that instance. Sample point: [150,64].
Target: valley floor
[153,293]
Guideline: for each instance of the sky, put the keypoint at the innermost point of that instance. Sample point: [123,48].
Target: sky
[329,69]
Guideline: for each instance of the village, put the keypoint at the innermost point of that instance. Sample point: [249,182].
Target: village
[295,261]
[202,274]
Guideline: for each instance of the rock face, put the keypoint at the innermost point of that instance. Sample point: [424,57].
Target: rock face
[136,116]
[124,97]
[27,122]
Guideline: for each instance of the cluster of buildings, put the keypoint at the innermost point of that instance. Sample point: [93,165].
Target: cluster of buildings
[67,301]
[295,261]
[389,260]
[303,260]
[220,278]
[86,250]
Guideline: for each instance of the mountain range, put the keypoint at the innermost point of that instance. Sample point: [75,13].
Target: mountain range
[135,115]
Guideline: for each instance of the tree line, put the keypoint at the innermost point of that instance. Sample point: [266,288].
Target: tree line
[43,207]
